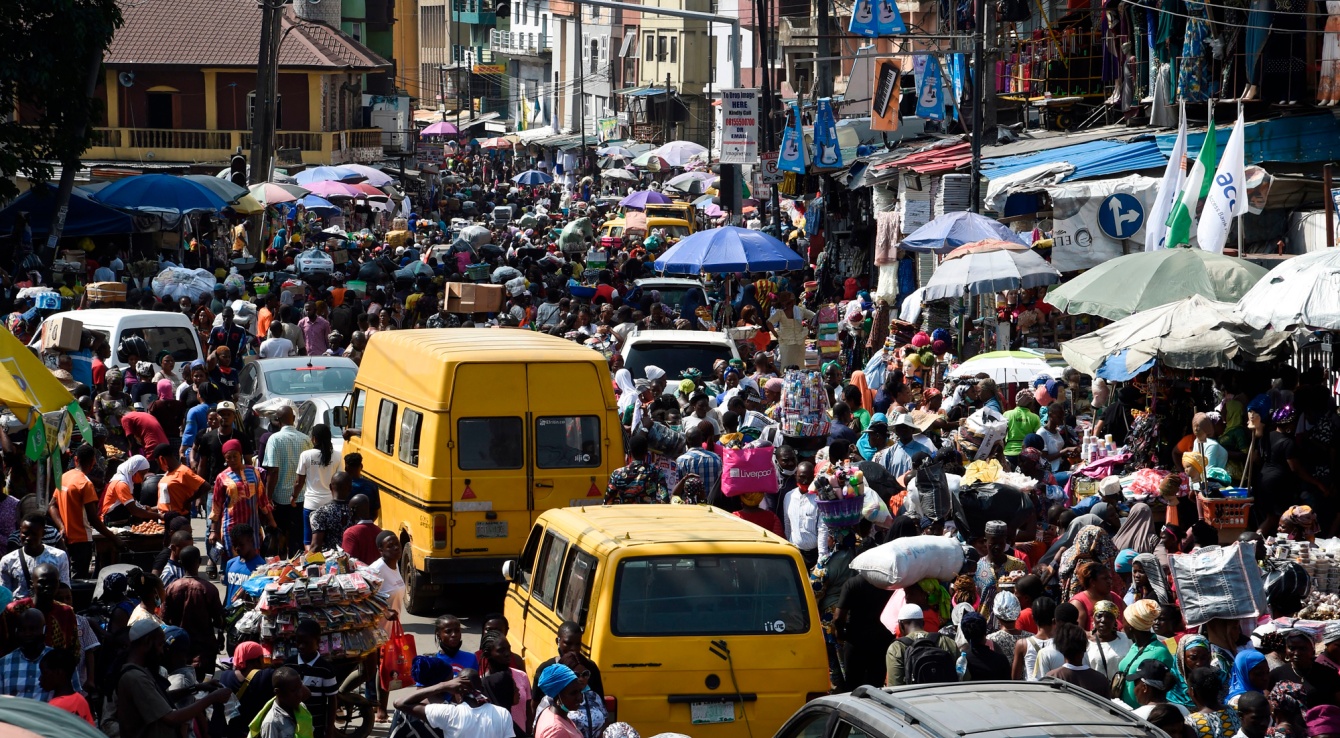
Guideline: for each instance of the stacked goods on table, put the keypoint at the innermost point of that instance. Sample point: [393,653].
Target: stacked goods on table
[1320,561]
[147,528]
[804,407]
[1320,606]
[332,588]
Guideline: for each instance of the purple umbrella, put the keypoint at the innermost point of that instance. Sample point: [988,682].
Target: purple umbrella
[329,189]
[440,128]
[642,198]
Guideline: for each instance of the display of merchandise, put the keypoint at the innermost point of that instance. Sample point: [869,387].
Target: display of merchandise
[1321,564]
[803,411]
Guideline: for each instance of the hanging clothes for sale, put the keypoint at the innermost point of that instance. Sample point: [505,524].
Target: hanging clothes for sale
[886,237]
[1193,71]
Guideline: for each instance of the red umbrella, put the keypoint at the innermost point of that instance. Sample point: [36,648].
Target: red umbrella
[495,143]
[369,190]
[329,189]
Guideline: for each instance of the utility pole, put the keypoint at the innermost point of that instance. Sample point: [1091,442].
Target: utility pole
[579,66]
[260,118]
[762,22]
[980,122]
[665,134]
[823,74]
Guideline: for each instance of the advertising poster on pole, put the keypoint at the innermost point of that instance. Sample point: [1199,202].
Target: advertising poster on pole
[887,86]
[827,153]
[739,126]
[794,156]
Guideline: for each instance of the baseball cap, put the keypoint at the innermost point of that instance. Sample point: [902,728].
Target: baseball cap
[1154,673]
[225,405]
[910,612]
[903,419]
[142,628]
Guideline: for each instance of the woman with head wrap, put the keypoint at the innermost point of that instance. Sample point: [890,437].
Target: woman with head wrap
[1137,531]
[1251,673]
[1194,651]
[624,388]
[118,501]
[1210,719]
[874,438]
[983,662]
[1109,645]
[1144,647]
[239,497]
[934,602]
[1052,559]
[858,380]
[1288,706]
[1110,516]
[1019,422]
[1006,610]
[561,685]
[110,406]
[1091,544]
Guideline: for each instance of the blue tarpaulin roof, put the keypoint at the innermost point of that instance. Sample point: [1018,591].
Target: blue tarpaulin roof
[642,92]
[86,217]
[1091,159]
[1296,139]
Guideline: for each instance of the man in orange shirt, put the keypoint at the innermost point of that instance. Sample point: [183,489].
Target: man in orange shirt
[74,506]
[179,487]
[266,315]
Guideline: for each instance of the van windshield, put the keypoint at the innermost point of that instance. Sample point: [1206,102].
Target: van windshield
[178,341]
[708,594]
[674,358]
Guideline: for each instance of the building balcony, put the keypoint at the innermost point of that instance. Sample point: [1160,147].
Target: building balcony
[471,56]
[515,43]
[200,147]
[474,12]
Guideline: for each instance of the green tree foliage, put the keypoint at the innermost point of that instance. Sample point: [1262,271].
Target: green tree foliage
[45,48]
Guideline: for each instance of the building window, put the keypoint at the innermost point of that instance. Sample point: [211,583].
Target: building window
[649,46]
[251,111]
[595,56]
[674,48]
[661,43]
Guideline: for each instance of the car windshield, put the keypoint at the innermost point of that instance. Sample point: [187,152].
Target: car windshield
[708,594]
[180,342]
[674,358]
[313,380]
[673,231]
[673,295]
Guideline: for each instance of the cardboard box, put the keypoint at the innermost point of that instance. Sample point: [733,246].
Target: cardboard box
[61,333]
[474,298]
[106,291]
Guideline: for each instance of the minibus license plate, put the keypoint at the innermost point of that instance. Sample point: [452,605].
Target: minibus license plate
[706,713]
[496,529]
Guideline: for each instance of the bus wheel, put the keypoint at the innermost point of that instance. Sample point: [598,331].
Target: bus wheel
[420,597]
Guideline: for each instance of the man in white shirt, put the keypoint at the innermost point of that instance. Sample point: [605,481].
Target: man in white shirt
[276,346]
[800,515]
[466,714]
[17,567]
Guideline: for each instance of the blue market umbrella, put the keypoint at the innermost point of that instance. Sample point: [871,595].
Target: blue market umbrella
[320,205]
[643,198]
[951,230]
[532,177]
[729,249]
[327,174]
[160,192]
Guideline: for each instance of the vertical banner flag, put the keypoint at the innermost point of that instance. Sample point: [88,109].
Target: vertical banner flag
[794,155]
[739,126]
[930,101]
[958,78]
[889,19]
[1182,225]
[826,151]
[1228,194]
[887,86]
[863,21]
[1174,177]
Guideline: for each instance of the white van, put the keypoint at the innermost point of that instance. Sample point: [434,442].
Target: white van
[170,331]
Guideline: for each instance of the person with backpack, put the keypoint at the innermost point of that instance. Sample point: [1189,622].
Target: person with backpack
[918,657]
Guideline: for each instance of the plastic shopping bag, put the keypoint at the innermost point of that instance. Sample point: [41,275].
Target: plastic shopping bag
[747,470]
[397,659]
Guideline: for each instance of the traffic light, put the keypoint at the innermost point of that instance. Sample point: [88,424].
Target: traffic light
[237,168]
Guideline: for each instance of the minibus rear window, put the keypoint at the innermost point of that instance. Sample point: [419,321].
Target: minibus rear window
[567,442]
[489,443]
[708,594]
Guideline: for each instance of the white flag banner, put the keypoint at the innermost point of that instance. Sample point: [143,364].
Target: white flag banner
[1228,194]
[1174,177]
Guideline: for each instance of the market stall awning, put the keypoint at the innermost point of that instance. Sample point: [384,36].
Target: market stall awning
[32,385]
[1294,139]
[86,216]
[642,91]
[1090,159]
[1195,333]
[932,161]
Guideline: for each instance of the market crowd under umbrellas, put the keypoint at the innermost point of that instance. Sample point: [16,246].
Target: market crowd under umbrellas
[239,466]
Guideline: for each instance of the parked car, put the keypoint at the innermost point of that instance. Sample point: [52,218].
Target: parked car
[957,710]
[296,378]
[675,351]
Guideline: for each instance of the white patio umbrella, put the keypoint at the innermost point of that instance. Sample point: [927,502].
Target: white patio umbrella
[1302,291]
[1006,367]
[987,267]
[678,153]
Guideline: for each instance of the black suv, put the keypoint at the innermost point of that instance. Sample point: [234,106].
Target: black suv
[1049,708]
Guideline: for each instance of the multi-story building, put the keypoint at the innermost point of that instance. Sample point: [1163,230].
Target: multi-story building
[171,101]
[457,60]
[585,53]
[671,54]
[526,37]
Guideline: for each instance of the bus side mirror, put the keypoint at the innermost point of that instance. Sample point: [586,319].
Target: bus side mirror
[509,569]
[340,416]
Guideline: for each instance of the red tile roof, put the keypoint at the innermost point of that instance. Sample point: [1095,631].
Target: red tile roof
[227,33]
[933,161]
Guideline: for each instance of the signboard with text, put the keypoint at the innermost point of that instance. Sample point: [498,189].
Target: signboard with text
[739,126]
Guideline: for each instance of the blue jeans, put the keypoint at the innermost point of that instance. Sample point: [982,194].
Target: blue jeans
[307,526]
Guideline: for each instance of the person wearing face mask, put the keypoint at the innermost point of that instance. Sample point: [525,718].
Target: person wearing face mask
[562,685]
[589,716]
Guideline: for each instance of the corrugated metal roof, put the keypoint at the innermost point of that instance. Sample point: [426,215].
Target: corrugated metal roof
[933,161]
[1296,139]
[1091,159]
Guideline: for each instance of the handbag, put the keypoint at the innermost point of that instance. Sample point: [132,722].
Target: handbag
[745,470]
[397,659]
